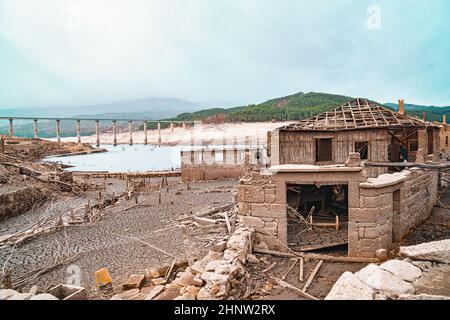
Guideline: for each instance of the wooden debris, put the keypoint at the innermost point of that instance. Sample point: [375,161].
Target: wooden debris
[312,275]
[289,270]
[290,286]
[300,275]
[270,267]
[317,256]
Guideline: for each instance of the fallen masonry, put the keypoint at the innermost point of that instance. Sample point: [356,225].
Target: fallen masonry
[393,279]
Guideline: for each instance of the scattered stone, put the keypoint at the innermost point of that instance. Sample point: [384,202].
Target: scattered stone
[169,293]
[33,290]
[158,281]
[252,259]
[7,293]
[153,273]
[382,280]
[438,251]
[423,265]
[102,277]
[129,294]
[154,293]
[186,279]
[403,270]
[220,246]
[21,296]
[381,254]
[422,297]
[197,281]
[44,296]
[203,294]
[135,281]
[349,287]
[215,278]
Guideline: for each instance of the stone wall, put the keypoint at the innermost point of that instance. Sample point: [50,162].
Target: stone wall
[390,206]
[18,201]
[381,210]
[262,207]
[198,172]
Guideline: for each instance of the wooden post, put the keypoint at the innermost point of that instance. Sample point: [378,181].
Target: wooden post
[130,131]
[97,132]
[58,130]
[78,132]
[145,133]
[35,128]
[159,133]
[2,145]
[114,133]
[11,127]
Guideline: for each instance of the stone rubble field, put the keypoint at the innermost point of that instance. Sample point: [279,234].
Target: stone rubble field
[407,279]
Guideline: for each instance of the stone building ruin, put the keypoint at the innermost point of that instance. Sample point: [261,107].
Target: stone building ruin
[351,176]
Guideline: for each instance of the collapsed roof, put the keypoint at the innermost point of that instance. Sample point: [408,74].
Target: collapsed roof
[358,114]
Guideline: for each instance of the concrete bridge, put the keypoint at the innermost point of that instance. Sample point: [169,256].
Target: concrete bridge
[97,126]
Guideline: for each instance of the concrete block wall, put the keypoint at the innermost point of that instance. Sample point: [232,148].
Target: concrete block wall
[258,208]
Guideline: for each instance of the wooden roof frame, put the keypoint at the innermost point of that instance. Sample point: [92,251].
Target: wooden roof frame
[358,114]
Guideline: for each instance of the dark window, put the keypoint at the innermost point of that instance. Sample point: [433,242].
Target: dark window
[363,149]
[413,145]
[446,141]
[324,150]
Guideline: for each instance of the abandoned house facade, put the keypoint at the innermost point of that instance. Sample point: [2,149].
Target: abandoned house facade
[327,184]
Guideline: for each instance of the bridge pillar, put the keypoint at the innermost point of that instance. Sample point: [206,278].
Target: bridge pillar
[145,133]
[11,127]
[97,132]
[114,133]
[159,133]
[78,132]
[130,130]
[58,130]
[35,128]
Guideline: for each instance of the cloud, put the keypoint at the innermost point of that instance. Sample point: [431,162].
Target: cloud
[91,51]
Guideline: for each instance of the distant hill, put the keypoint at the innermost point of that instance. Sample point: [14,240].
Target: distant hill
[293,107]
[433,113]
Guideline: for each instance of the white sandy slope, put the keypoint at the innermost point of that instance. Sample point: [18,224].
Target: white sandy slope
[211,134]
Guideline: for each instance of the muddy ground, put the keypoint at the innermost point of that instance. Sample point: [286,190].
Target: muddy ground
[109,243]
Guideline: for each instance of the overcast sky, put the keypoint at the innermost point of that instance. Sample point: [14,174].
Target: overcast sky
[74,52]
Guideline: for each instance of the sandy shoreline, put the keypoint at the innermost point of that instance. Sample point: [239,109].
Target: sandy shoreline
[211,134]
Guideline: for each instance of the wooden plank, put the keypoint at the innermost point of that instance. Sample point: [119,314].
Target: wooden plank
[313,274]
[289,270]
[289,286]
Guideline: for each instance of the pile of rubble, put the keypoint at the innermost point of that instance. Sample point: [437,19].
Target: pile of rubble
[221,274]
[398,279]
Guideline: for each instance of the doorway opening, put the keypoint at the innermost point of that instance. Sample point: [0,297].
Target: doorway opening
[317,216]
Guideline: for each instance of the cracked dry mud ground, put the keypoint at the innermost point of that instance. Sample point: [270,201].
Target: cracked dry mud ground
[102,244]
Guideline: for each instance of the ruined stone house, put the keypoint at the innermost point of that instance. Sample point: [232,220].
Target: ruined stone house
[320,189]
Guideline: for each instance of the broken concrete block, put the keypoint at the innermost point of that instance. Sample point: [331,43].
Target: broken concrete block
[135,281]
[438,251]
[44,296]
[7,293]
[220,246]
[402,269]
[154,293]
[382,280]
[349,287]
